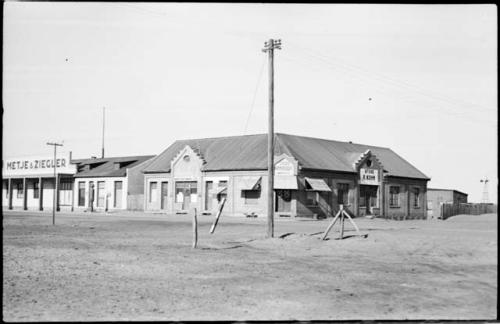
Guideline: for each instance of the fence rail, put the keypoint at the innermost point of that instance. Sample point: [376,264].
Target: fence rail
[448,210]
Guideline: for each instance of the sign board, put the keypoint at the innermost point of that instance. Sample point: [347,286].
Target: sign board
[39,165]
[368,176]
[284,167]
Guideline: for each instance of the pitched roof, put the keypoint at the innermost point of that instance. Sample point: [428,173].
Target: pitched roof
[437,189]
[249,152]
[105,167]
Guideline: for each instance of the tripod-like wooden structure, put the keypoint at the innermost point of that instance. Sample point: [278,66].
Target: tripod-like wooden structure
[342,214]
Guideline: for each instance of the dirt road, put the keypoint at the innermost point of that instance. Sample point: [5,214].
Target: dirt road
[142,267]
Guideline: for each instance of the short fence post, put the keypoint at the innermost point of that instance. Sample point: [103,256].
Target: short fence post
[195,230]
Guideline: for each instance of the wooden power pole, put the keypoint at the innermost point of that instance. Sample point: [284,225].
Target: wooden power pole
[55,182]
[269,47]
[103,116]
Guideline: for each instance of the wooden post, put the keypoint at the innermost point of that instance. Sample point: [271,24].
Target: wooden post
[219,212]
[342,222]
[270,46]
[331,225]
[10,193]
[352,222]
[25,193]
[195,230]
[40,193]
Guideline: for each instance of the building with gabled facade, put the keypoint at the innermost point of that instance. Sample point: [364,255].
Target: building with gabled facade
[313,177]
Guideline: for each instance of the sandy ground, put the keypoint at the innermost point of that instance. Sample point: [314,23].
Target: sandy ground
[142,267]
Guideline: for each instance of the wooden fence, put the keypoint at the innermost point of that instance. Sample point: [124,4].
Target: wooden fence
[448,209]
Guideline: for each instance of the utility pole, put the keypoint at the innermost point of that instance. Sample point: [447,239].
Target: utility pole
[103,116]
[55,182]
[269,47]
[485,191]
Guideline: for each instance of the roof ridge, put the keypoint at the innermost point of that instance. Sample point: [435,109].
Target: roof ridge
[331,140]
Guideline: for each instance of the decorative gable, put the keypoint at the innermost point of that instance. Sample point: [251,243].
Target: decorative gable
[368,160]
[187,164]
[285,165]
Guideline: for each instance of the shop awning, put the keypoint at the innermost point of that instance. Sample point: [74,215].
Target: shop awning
[318,184]
[285,182]
[250,183]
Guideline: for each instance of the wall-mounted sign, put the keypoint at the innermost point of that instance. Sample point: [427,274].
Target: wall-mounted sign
[43,165]
[368,176]
[284,167]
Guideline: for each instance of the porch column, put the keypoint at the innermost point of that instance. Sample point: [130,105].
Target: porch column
[9,190]
[25,194]
[56,188]
[40,193]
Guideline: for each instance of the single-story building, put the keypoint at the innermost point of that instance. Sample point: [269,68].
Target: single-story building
[436,197]
[114,183]
[28,182]
[312,178]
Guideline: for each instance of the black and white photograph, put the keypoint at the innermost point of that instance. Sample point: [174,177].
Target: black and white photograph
[168,161]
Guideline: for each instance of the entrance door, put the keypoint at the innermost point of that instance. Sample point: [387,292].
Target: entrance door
[186,192]
[208,195]
[118,194]
[283,200]
[164,195]
[368,197]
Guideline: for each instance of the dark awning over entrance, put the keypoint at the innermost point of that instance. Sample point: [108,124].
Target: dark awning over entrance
[317,184]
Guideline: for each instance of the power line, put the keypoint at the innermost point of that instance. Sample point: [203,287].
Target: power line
[362,80]
[255,93]
[393,81]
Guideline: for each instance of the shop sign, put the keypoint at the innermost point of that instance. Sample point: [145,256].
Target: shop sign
[38,165]
[284,167]
[368,176]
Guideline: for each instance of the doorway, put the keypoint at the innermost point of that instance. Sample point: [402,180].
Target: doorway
[368,197]
[164,195]
[186,192]
[283,200]
[208,195]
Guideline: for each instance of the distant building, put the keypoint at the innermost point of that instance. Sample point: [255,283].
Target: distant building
[115,183]
[312,178]
[28,182]
[436,197]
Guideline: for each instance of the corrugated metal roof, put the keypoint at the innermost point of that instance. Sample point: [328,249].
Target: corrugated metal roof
[249,152]
[107,168]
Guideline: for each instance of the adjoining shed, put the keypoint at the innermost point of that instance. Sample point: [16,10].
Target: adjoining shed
[312,178]
[437,197]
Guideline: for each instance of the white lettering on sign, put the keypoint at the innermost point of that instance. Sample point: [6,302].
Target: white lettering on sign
[284,167]
[38,165]
[368,176]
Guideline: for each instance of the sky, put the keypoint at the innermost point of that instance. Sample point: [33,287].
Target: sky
[419,79]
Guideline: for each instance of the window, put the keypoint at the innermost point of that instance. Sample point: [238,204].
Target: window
[343,193]
[20,190]
[81,193]
[153,187]
[394,196]
[223,194]
[416,197]
[66,184]
[251,196]
[186,190]
[312,198]
[36,190]
[101,194]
